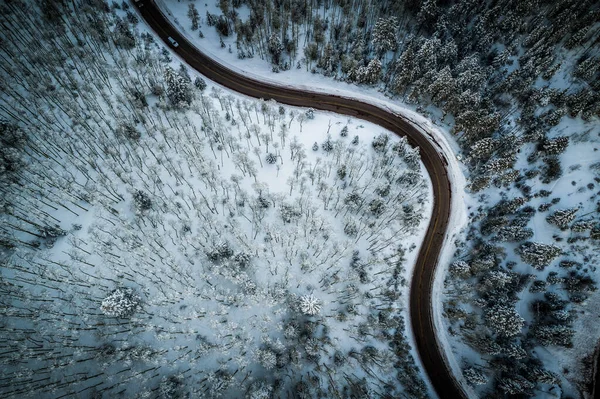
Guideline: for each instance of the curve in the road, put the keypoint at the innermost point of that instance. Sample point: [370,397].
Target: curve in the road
[421,311]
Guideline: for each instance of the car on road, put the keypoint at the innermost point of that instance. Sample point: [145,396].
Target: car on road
[172,41]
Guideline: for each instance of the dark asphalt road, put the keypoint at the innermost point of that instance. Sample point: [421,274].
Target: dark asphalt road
[421,314]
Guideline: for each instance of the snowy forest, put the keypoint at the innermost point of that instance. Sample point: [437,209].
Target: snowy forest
[516,85]
[162,237]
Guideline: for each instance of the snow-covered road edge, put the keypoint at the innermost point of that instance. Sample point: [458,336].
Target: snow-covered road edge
[436,134]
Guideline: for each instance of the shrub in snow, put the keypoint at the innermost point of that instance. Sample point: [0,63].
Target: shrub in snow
[353,200]
[289,213]
[327,145]
[200,83]
[315,146]
[344,132]
[380,142]
[128,130]
[219,251]
[262,202]
[271,158]
[52,232]
[538,255]
[474,376]
[310,113]
[341,172]
[310,305]
[122,302]
[142,201]
[350,229]
[504,320]
[355,140]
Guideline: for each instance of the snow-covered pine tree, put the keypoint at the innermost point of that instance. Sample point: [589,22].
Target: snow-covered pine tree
[385,35]
[555,146]
[562,217]
[275,48]
[537,254]
[179,91]
[504,320]
[474,376]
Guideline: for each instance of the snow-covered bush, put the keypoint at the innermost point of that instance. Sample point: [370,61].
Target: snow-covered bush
[380,142]
[142,201]
[219,251]
[271,158]
[122,302]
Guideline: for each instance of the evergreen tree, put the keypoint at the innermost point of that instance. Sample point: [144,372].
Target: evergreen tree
[385,35]
[504,320]
[179,91]
[562,217]
[538,255]
[275,48]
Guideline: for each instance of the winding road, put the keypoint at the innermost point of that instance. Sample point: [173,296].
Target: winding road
[421,311]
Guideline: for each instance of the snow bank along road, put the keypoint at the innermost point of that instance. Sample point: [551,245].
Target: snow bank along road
[421,313]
